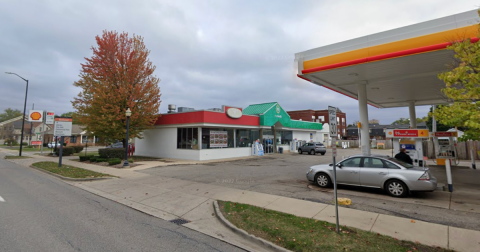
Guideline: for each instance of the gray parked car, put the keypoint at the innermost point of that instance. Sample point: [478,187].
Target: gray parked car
[312,148]
[397,178]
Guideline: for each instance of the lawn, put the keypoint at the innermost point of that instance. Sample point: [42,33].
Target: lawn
[25,148]
[69,171]
[303,234]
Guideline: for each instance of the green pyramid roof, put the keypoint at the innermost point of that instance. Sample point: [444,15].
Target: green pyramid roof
[257,109]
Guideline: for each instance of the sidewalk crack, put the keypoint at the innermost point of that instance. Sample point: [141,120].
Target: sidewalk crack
[378,215]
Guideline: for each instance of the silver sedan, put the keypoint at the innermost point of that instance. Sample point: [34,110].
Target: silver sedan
[394,176]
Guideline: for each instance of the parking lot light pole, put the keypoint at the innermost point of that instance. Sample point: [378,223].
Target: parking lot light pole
[128,113]
[24,110]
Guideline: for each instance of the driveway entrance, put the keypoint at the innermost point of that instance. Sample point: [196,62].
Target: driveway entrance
[284,175]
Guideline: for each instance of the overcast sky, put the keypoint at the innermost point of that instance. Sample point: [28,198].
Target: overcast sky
[207,53]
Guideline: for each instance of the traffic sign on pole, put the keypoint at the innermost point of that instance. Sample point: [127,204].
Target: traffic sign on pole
[332,116]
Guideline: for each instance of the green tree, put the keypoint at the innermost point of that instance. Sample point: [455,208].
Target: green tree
[72,115]
[118,76]
[9,114]
[440,126]
[463,89]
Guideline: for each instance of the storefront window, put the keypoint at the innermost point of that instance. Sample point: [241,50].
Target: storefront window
[187,138]
[213,138]
[284,136]
[246,137]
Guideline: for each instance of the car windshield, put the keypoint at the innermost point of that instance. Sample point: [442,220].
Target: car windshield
[406,165]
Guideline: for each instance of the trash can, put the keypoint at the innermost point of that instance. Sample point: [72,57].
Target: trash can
[280,150]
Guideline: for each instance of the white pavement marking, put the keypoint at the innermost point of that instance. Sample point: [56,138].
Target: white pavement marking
[1,199]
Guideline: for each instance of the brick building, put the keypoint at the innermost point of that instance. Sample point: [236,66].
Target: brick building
[321,116]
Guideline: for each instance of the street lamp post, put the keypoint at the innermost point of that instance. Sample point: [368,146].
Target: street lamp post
[128,113]
[24,110]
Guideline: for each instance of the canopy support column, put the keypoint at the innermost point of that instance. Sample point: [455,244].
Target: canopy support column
[413,116]
[363,112]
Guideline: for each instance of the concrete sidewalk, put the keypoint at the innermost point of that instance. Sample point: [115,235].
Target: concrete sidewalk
[170,198]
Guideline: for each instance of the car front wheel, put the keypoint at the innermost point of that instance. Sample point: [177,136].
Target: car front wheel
[323,180]
[396,188]
[312,152]
[299,151]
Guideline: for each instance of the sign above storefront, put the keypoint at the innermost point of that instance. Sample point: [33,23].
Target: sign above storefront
[234,113]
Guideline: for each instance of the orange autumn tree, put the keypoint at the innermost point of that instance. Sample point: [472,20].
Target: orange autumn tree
[118,76]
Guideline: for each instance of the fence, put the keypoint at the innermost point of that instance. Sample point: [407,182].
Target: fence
[385,144]
[462,150]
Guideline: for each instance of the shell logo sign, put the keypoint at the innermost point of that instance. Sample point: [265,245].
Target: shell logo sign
[35,116]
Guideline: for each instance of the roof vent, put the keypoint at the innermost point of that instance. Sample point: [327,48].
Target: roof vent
[172,108]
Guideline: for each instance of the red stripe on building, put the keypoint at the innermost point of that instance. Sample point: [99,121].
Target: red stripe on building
[206,117]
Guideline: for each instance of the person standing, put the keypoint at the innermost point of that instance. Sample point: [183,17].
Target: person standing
[403,156]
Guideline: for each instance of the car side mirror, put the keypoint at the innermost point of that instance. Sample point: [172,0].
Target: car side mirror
[339,165]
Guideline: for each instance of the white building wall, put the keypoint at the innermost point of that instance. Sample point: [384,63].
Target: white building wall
[208,154]
[162,143]
[303,135]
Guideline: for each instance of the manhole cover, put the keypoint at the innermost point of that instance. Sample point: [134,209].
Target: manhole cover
[179,221]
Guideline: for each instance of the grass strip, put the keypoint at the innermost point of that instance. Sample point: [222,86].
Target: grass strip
[304,234]
[69,171]
[16,157]
[142,158]
[23,149]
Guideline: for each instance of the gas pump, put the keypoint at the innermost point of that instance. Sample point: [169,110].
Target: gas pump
[445,151]
[411,140]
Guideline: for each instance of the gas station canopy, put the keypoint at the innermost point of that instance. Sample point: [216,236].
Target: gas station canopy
[398,67]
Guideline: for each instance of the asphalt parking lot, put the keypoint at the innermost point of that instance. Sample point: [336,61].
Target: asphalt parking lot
[284,175]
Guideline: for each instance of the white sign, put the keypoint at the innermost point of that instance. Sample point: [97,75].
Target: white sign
[234,113]
[218,138]
[35,116]
[63,127]
[332,116]
[49,117]
[334,149]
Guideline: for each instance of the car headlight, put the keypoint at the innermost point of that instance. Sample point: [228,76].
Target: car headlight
[310,171]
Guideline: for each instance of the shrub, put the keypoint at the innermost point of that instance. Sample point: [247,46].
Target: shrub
[67,151]
[24,143]
[100,159]
[85,158]
[114,161]
[130,160]
[112,152]
[45,144]
[93,158]
[78,148]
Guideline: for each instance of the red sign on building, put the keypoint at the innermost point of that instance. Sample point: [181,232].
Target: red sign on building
[445,134]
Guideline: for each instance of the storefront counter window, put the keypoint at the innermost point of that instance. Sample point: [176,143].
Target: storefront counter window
[187,138]
[213,138]
[246,137]
[285,136]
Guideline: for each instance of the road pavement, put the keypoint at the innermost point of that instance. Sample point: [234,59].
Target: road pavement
[41,213]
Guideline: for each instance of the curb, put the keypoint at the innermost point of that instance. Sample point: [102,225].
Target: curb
[255,239]
[67,178]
